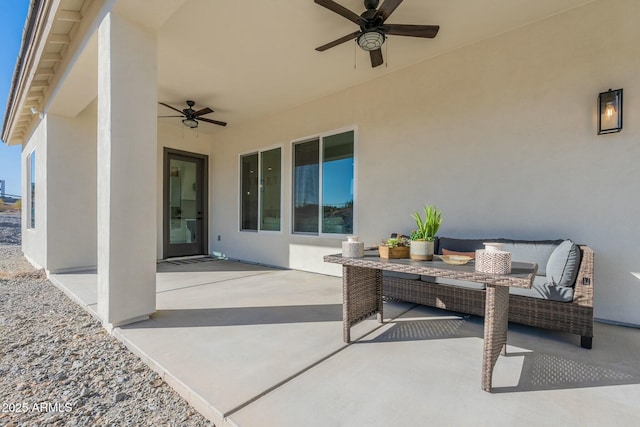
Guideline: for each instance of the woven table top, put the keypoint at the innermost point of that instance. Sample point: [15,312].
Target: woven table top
[521,276]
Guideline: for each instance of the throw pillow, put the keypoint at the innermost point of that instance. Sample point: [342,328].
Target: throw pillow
[563,264]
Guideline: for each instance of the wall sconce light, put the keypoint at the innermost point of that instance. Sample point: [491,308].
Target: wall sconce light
[610,111]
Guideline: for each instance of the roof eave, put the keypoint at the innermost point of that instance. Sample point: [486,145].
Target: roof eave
[35,17]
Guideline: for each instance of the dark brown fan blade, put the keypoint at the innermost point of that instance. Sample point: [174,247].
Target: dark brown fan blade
[376,57]
[215,122]
[340,10]
[338,41]
[387,8]
[169,106]
[206,110]
[425,31]
[169,116]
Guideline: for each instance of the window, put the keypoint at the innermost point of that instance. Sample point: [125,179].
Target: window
[260,175]
[323,185]
[31,191]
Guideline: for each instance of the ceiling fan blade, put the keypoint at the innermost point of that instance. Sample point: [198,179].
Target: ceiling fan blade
[425,31]
[338,41]
[340,10]
[206,110]
[160,117]
[169,106]
[387,8]
[376,57]
[215,122]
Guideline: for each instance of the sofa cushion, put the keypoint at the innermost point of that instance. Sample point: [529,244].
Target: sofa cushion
[543,289]
[563,264]
[454,282]
[462,245]
[537,251]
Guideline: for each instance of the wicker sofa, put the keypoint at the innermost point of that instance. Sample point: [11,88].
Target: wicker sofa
[549,304]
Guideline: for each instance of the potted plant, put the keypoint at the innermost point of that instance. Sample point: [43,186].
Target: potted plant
[422,238]
[394,247]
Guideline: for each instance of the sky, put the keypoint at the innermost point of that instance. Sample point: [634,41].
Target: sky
[12,17]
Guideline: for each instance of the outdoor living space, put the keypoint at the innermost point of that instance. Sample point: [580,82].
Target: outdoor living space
[247,345]
[189,166]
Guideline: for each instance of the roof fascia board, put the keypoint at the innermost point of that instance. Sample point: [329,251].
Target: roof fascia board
[37,28]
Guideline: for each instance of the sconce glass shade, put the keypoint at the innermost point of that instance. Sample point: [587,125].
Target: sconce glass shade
[371,40]
[190,123]
[610,111]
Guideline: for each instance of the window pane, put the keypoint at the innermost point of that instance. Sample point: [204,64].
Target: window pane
[182,201]
[337,184]
[249,197]
[306,183]
[270,190]
[31,167]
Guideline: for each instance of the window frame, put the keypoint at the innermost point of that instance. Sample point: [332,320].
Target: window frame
[320,137]
[31,183]
[259,153]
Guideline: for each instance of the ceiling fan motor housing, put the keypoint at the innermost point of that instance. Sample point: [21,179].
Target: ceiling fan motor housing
[371,4]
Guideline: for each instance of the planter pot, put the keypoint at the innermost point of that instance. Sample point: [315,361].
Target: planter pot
[421,250]
[393,253]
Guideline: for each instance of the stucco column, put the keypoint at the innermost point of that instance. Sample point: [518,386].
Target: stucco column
[127,139]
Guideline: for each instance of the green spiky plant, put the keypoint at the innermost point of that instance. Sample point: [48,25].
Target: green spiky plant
[428,227]
[394,242]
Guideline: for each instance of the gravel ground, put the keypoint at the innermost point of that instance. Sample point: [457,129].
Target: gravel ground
[59,367]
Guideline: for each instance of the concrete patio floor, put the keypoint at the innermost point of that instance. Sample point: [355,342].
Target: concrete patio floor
[249,345]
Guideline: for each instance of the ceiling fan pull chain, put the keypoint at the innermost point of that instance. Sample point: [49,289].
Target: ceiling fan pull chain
[354,56]
[386,54]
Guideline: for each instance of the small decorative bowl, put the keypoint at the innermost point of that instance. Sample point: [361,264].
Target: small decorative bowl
[455,259]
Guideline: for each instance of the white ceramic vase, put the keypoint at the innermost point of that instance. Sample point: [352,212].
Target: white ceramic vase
[421,250]
[352,248]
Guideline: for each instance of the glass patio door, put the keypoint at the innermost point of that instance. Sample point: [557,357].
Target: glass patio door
[185,192]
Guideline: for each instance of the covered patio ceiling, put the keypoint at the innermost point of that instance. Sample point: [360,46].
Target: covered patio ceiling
[251,60]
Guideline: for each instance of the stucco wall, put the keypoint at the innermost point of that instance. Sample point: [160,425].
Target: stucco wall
[72,192]
[64,237]
[500,135]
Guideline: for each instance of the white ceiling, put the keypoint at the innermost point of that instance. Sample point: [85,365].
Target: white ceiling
[247,59]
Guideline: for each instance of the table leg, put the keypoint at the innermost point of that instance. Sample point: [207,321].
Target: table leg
[379,296]
[496,320]
[361,296]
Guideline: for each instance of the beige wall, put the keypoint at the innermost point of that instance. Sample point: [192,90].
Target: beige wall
[72,193]
[500,135]
[64,237]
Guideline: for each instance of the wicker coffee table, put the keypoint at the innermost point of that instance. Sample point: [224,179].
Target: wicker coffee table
[362,295]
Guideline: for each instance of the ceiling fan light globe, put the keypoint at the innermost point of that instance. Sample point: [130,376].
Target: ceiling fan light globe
[190,123]
[370,40]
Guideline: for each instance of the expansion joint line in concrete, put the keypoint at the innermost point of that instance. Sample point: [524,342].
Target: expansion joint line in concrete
[313,365]
[195,285]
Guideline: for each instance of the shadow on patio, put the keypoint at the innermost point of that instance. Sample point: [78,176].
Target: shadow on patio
[541,368]
[243,316]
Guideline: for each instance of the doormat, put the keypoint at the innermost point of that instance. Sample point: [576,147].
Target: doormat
[191,260]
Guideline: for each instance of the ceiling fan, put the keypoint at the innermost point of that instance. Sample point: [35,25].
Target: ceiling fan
[373,30]
[191,116]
